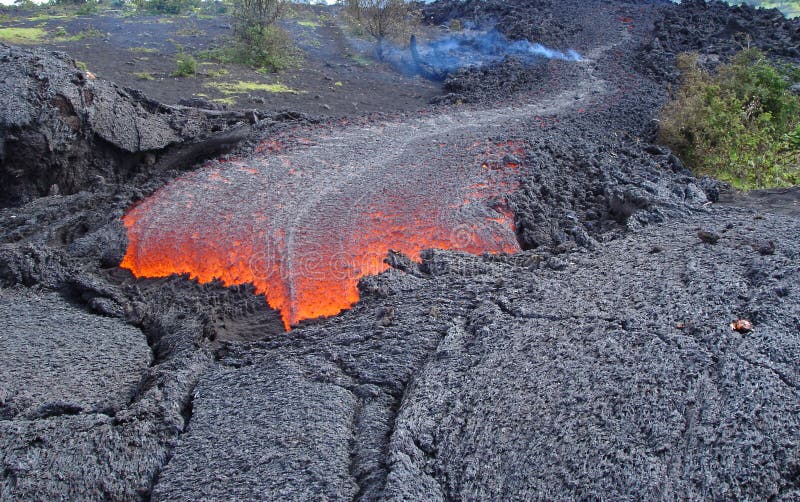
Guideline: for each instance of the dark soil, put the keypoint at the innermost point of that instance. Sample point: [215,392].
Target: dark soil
[599,362]
[337,75]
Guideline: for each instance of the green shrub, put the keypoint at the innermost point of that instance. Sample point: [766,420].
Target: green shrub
[740,125]
[208,9]
[166,6]
[87,9]
[186,65]
[269,49]
[257,41]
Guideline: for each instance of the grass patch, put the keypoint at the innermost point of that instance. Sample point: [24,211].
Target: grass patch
[62,35]
[309,24]
[221,72]
[241,87]
[22,36]
[144,75]
[230,101]
[190,32]
[81,65]
[51,17]
[740,124]
[142,50]
[361,60]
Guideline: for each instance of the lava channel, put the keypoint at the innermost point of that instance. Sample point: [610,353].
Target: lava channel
[304,229]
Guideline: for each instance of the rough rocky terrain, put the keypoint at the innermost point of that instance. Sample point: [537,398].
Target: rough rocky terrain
[597,362]
[62,130]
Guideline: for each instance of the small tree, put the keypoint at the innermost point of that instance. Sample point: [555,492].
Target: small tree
[252,18]
[257,40]
[383,19]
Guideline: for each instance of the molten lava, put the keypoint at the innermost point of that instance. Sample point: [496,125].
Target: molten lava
[303,228]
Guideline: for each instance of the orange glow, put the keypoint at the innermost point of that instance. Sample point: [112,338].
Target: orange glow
[305,241]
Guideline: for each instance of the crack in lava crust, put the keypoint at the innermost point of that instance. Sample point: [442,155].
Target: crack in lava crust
[304,225]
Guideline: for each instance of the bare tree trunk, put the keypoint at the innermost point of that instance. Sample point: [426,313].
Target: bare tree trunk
[379,48]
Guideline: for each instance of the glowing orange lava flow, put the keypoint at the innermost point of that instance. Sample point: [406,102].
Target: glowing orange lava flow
[303,229]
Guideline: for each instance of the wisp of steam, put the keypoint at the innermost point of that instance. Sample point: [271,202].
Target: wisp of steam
[472,49]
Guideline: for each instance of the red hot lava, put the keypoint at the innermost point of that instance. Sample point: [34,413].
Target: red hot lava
[303,227]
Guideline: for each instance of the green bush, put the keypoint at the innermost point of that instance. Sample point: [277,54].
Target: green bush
[186,65]
[166,6]
[87,9]
[740,125]
[269,49]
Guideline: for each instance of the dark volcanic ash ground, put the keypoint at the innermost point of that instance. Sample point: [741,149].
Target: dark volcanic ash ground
[597,362]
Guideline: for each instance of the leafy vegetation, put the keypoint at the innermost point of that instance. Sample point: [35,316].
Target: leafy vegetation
[186,65]
[740,125]
[166,6]
[270,50]
[258,42]
[87,9]
[144,75]
[25,4]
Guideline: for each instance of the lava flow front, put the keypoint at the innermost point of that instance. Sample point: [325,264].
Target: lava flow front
[304,224]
